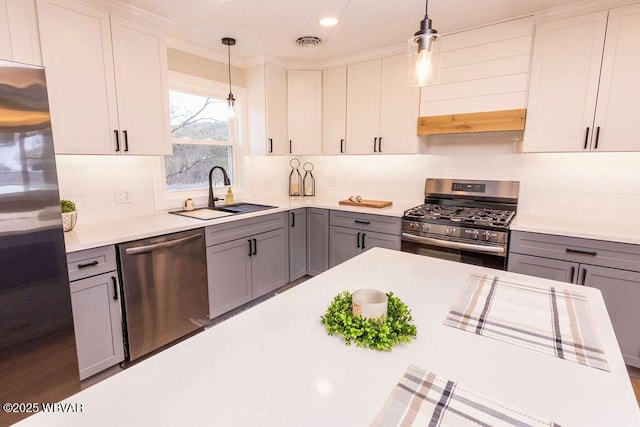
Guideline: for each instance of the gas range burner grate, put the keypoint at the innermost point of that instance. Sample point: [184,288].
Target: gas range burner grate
[464,215]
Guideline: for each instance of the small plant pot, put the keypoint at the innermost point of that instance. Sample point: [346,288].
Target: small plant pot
[69,220]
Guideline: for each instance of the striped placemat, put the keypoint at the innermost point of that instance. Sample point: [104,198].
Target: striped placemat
[424,399]
[546,319]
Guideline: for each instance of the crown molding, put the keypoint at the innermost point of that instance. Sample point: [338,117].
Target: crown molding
[131,12]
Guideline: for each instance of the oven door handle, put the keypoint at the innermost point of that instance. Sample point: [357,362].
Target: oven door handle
[497,250]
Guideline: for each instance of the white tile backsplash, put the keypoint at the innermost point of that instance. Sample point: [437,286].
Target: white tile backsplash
[588,185]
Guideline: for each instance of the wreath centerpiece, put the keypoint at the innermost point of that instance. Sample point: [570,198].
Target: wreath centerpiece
[376,333]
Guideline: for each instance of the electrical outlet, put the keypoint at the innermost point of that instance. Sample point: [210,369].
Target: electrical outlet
[123,196]
[331,181]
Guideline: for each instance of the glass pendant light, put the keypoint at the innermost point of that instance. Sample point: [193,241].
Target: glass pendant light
[231,101]
[423,54]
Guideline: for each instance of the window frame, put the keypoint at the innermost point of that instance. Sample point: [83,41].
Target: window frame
[186,83]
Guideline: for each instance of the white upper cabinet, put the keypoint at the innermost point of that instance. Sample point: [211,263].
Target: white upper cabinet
[583,90]
[617,111]
[382,111]
[334,110]
[305,112]
[19,37]
[363,107]
[107,81]
[267,109]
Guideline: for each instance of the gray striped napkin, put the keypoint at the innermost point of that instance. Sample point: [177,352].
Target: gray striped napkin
[423,399]
[546,319]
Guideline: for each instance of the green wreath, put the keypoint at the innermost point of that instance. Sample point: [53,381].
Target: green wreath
[379,334]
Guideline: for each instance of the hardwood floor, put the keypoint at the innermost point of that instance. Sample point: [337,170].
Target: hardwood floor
[635,383]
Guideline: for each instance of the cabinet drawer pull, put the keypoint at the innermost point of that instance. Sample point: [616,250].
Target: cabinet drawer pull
[597,137]
[375,144]
[293,219]
[126,140]
[584,276]
[363,236]
[573,273]
[255,247]
[581,252]
[586,139]
[271,145]
[89,264]
[115,288]
[290,147]
[250,248]
[358,240]
[117,140]
[357,221]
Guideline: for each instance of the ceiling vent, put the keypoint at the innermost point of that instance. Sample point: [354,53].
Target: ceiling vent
[308,41]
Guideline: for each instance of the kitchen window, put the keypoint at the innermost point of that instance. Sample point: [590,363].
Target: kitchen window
[202,135]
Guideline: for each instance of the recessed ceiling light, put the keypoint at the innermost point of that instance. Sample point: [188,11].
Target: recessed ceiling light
[328,22]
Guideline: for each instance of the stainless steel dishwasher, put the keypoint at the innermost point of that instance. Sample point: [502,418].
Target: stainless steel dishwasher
[165,293]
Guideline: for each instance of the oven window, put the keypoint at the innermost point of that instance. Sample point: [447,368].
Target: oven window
[457,255]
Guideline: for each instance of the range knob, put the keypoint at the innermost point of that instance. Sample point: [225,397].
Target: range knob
[413,225]
[449,231]
[486,236]
[474,234]
[426,227]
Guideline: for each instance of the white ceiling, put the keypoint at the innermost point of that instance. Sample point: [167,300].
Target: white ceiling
[270,27]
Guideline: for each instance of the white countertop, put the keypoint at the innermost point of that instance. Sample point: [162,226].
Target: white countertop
[93,235]
[613,230]
[274,364]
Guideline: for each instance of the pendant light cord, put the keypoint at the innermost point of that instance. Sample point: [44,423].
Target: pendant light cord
[426,9]
[229,53]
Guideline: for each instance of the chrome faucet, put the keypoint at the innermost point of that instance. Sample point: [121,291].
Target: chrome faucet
[227,181]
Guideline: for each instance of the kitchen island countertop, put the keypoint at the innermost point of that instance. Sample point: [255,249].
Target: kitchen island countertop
[274,364]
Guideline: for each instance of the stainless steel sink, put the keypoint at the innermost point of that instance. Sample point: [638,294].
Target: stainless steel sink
[222,211]
[238,208]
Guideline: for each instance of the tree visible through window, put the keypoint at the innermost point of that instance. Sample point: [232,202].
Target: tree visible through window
[202,138]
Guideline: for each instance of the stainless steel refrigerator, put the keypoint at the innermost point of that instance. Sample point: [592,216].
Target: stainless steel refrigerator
[38,361]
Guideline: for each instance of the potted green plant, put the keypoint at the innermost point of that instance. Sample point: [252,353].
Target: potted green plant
[69,214]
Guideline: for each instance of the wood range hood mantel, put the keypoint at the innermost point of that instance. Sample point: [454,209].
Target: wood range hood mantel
[490,121]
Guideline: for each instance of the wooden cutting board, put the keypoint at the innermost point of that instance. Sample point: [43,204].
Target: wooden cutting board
[367,203]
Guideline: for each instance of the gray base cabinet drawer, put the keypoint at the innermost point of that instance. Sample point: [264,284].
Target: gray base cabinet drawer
[91,262]
[595,252]
[220,233]
[366,222]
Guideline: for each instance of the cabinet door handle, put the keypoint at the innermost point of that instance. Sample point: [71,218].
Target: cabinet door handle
[375,144]
[88,264]
[290,147]
[115,288]
[380,145]
[358,240]
[126,140]
[584,276]
[293,219]
[255,247]
[250,252]
[586,138]
[573,273]
[597,137]
[580,252]
[271,145]
[358,221]
[363,236]
[117,140]
[342,146]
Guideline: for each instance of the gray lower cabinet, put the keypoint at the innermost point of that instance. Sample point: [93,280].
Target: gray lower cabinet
[317,240]
[245,260]
[353,233]
[97,316]
[297,243]
[612,267]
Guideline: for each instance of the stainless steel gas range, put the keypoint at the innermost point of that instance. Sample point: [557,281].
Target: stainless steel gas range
[462,220]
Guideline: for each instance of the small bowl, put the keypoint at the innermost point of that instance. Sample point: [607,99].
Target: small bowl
[369,303]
